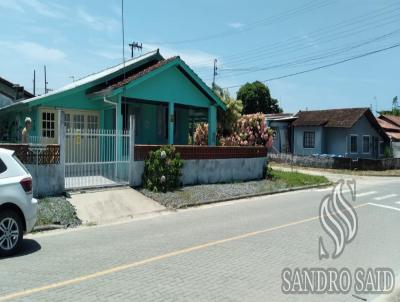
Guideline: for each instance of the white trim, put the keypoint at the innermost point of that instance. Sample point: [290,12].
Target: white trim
[369,144]
[311,131]
[354,135]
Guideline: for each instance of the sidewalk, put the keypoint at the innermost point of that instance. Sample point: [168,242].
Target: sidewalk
[111,205]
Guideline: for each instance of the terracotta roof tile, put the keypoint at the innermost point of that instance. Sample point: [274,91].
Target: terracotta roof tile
[387,126]
[141,73]
[392,119]
[336,118]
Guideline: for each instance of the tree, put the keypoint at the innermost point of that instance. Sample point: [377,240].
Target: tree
[227,119]
[395,108]
[256,98]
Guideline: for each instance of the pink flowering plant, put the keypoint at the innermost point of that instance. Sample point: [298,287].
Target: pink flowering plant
[249,130]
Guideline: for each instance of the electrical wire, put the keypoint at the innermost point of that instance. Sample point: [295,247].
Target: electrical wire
[324,66]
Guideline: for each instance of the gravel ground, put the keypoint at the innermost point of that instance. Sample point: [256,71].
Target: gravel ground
[56,211]
[201,194]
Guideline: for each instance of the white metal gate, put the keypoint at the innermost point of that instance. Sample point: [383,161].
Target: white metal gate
[96,158]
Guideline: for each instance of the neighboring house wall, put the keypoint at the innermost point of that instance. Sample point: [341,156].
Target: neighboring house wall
[363,128]
[336,141]
[396,149]
[283,136]
[298,140]
[4,100]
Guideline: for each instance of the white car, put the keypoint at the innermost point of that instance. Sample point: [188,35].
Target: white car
[17,205]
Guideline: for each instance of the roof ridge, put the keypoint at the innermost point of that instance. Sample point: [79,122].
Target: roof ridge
[116,65]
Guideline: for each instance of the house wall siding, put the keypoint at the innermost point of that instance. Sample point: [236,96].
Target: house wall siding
[337,140]
[298,133]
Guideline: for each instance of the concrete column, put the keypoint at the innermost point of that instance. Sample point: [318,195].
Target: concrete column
[118,115]
[131,148]
[61,141]
[171,122]
[212,125]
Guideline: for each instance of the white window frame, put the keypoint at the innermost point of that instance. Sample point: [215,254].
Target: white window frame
[356,136]
[369,144]
[45,138]
[304,137]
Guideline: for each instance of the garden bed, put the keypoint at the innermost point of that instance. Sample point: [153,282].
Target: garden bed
[204,194]
[56,211]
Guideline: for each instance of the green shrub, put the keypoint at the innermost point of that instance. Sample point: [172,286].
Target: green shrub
[388,152]
[162,170]
[268,172]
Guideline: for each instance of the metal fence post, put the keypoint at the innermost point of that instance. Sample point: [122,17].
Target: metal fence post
[131,147]
[61,142]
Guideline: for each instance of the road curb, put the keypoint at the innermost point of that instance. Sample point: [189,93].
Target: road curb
[326,184]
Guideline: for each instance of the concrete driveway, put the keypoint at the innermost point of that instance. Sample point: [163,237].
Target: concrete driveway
[112,205]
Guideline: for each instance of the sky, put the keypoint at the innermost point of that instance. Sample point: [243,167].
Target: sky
[251,40]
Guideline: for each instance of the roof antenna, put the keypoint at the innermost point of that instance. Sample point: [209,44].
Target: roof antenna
[135,45]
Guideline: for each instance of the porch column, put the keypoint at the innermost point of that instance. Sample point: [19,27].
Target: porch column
[118,116]
[171,122]
[212,125]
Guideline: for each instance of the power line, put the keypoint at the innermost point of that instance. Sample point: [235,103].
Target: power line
[325,66]
[263,22]
[319,55]
[329,31]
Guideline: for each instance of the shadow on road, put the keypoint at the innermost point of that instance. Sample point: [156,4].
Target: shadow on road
[29,246]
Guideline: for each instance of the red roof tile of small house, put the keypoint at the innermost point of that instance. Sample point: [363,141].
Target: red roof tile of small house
[387,126]
[393,119]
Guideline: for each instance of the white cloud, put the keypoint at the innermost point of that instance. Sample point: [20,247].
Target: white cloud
[236,25]
[97,23]
[45,9]
[34,51]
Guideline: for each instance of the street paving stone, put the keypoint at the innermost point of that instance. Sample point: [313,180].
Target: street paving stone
[246,269]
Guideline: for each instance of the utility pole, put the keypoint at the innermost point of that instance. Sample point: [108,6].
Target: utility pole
[215,73]
[34,82]
[45,80]
[72,78]
[135,45]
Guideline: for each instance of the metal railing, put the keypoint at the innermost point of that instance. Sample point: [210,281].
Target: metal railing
[96,158]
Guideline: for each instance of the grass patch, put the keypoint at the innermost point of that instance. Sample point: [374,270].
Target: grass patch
[58,211]
[296,179]
[202,194]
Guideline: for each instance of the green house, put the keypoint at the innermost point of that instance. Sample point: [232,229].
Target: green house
[166,97]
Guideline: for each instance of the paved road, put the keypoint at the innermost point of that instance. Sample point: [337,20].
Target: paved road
[234,251]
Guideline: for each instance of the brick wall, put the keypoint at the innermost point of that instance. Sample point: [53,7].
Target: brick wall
[205,152]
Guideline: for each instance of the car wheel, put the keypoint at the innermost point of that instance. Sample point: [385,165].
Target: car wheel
[11,233]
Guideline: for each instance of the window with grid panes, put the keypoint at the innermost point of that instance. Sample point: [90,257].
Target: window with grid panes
[48,124]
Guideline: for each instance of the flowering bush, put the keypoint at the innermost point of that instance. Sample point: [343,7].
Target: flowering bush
[249,130]
[162,170]
[201,135]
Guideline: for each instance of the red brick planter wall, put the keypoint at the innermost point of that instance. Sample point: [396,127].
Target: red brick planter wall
[204,152]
